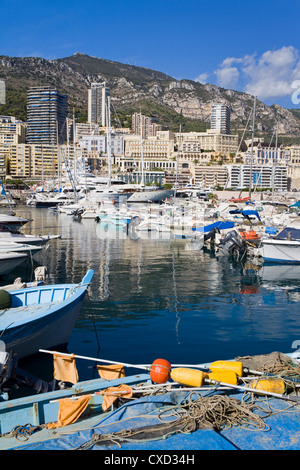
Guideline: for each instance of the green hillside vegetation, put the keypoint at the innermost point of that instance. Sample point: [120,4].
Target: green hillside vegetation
[135,89]
[16,102]
[92,65]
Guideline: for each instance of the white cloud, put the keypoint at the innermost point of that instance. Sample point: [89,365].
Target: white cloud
[202,78]
[269,76]
[227,77]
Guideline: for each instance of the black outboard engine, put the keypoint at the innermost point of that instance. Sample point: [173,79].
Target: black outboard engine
[232,243]
[134,222]
[211,235]
[12,377]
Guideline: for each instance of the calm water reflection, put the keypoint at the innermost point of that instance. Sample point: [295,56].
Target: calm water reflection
[159,298]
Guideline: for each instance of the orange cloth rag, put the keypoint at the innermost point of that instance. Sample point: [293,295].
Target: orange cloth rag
[111,372]
[111,394]
[65,368]
[70,410]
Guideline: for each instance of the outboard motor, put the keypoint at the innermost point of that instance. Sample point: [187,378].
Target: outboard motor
[231,244]
[211,235]
[12,377]
[8,362]
[134,222]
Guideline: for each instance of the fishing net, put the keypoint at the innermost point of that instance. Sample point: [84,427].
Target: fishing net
[197,412]
[275,363]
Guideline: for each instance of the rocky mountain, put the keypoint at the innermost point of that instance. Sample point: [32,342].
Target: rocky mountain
[133,89]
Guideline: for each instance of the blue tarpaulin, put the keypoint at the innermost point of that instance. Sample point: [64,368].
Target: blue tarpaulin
[220,225]
[289,233]
[281,430]
[246,213]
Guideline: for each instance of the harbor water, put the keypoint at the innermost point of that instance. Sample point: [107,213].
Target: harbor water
[155,298]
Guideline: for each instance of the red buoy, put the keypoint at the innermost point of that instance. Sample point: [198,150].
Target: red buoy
[160,371]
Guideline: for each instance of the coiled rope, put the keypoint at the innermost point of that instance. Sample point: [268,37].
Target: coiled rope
[216,412]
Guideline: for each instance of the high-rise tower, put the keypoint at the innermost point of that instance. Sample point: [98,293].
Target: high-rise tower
[46,116]
[220,118]
[97,102]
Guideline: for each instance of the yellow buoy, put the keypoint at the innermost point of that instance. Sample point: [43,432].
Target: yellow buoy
[269,385]
[234,366]
[225,376]
[189,377]
[196,378]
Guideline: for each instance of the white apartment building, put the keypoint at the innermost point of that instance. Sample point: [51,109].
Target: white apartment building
[97,103]
[98,143]
[220,118]
[263,155]
[263,177]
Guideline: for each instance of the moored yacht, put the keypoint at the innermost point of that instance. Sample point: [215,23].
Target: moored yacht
[284,247]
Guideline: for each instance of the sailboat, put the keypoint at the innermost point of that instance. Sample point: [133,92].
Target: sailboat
[149,194]
[107,192]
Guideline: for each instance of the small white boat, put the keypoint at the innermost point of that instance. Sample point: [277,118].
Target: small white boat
[280,251]
[45,200]
[30,250]
[11,222]
[27,239]
[9,261]
[284,248]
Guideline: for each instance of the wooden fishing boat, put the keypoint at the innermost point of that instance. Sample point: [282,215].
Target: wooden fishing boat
[41,316]
[146,420]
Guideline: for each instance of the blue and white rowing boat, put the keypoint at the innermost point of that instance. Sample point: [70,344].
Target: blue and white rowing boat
[41,316]
[174,419]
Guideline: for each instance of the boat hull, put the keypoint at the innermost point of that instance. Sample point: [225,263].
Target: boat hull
[9,261]
[52,331]
[150,196]
[41,317]
[281,251]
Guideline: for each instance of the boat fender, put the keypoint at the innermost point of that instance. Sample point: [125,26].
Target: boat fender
[5,299]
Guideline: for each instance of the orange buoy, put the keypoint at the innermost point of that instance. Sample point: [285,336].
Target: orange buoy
[160,371]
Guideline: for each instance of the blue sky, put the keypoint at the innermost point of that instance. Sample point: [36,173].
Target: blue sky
[247,46]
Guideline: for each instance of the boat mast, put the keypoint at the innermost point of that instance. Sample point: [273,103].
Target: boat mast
[74,149]
[274,164]
[251,160]
[177,161]
[142,151]
[58,158]
[108,141]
